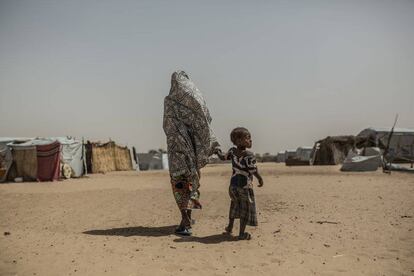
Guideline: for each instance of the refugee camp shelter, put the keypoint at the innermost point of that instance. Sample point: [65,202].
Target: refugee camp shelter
[401,148]
[302,157]
[107,157]
[6,160]
[6,157]
[369,160]
[280,157]
[36,159]
[152,161]
[333,149]
[72,154]
[290,154]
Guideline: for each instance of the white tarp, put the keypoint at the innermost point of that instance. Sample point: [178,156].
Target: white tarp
[358,163]
[72,154]
[164,157]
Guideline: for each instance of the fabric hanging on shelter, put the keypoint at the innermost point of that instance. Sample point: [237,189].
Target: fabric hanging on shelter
[123,160]
[25,161]
[190,139]
[48,161]
[103,157]
[6,160]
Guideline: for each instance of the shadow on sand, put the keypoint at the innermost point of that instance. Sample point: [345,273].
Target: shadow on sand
[213,239]
[135,231]
[160,231]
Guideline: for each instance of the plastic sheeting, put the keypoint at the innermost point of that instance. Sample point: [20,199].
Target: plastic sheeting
[357,163]
[72,154]
[6,160]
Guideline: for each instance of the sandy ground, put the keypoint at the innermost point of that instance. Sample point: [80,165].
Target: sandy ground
[312,221]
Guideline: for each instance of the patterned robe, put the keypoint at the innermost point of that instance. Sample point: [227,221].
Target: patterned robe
[190,139]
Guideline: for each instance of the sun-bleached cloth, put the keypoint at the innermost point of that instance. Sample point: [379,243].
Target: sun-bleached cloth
[190,139]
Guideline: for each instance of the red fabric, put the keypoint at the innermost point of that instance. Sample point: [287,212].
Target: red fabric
[48,162]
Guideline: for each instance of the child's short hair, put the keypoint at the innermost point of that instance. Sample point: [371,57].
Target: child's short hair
[237,134]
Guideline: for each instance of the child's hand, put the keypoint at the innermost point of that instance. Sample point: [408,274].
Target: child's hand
[260,183]
[217,151]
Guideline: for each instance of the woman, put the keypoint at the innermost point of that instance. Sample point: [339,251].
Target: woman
[190,143]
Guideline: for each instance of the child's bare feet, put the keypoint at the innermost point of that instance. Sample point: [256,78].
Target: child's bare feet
[245,236]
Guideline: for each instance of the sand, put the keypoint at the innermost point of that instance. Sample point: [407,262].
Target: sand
[312,221]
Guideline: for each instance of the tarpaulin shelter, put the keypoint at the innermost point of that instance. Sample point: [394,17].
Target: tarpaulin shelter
[302,157]
[107,157]
[72,154]
[6,160]
[333,149]
[36,159]
[48,161]
[24,161]
[401,146]
[370,160]
[280,157]
[152,161]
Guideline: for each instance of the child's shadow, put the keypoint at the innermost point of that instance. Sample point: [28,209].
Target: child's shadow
[135,231]
[213,239]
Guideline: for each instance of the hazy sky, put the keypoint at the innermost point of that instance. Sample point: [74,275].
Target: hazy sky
[290,71]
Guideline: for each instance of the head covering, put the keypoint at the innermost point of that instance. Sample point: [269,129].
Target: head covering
[190,139]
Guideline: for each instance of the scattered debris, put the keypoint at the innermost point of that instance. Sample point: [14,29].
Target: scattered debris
[277,231]
[340,255]
[406,216]
[326,245]
[6,233]
[325,221]
[173,247]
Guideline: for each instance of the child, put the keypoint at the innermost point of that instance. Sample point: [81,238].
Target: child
[243,205]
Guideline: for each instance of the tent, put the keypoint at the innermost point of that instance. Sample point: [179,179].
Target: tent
[371,160]
[280,157]
[36,159]
[152,161]
[24,161]
[333,149]
[48,161]
[6,160]
[72,154]
[290,154]
[401,148]
[302,157]
[107,157]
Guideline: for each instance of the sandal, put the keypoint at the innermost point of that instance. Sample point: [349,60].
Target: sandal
[245,236]
[179,228]
[183,231]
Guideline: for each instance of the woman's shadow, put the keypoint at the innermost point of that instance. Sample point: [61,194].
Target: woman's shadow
[160,231]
